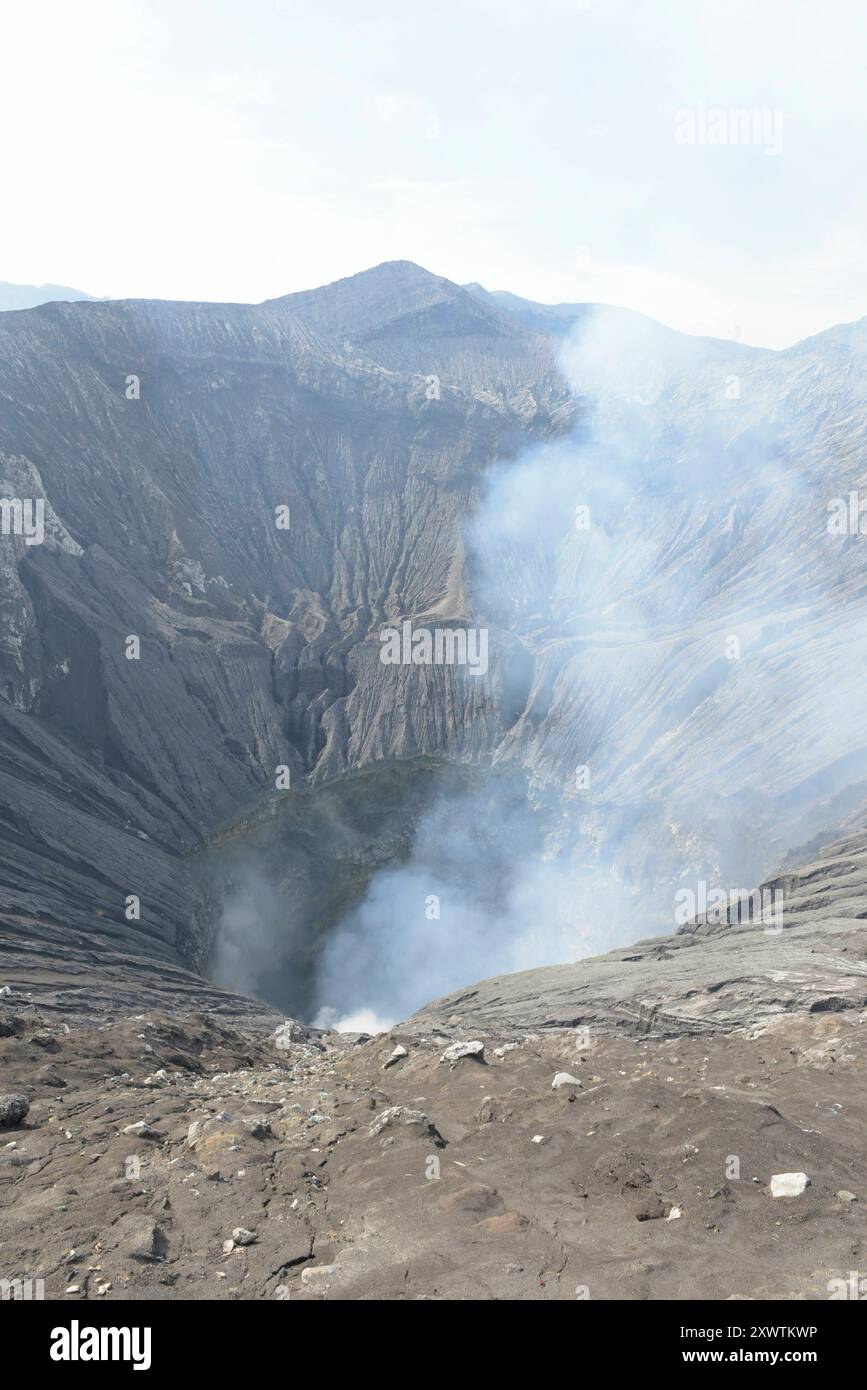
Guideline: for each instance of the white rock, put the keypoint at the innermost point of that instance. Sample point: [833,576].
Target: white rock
[674,1214]
[564,1078]
[317,1274]
[507,1047]
[399,1051]
[538,1139]
[143,1130]
[241,1236]
[789,1184]
[458,1050]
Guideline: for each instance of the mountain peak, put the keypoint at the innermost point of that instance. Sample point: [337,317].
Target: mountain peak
[396,298]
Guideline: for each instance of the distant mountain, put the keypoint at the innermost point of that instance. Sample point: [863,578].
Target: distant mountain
[563,319]
[30,296]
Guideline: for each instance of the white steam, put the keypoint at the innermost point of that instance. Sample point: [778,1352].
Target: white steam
[706,470]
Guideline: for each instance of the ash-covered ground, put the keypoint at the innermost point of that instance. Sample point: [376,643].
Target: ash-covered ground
[193,1158]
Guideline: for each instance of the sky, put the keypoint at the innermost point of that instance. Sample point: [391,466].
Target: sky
[566,150]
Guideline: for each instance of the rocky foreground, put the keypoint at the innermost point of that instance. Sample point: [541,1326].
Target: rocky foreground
[616,1128]
[193,1157]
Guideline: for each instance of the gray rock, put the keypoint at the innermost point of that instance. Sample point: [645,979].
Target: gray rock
[289,1034]
[457,1051]
[13,1109]
[401,1116]
[396,1056]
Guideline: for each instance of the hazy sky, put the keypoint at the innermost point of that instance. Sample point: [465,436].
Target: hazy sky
[241,149]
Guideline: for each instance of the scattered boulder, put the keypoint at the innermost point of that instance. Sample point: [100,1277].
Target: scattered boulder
[289,1034]
[142,1130]
[457,1051]
[241,1236]
[565,1079]
[13,1109]
[217,1135]
[402,1116]
[399,1052]
[789,1184]
[846,1196]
